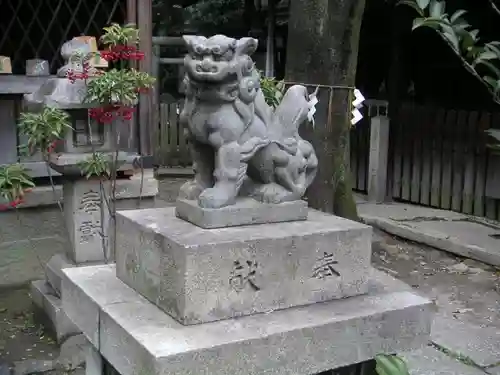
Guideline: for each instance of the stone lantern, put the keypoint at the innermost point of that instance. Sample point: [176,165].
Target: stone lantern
[86,213]
[85,200]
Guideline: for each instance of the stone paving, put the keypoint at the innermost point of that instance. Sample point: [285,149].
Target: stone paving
[465,337]
[464,235]
[429,361]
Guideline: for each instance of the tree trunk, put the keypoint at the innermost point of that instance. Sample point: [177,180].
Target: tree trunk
[323,39]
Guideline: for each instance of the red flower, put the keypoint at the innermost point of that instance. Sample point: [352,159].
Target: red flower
[110,55]
[123,48]
[136,56]
[70,74]
[122,52]
[53,145]
[127,112]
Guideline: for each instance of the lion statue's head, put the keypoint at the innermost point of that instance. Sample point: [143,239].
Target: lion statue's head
[219,59]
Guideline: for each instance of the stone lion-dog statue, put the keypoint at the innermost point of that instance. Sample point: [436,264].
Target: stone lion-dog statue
[239,145]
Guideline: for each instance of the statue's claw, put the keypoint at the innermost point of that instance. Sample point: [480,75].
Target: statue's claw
[190,190]
[272,193]
[217,197]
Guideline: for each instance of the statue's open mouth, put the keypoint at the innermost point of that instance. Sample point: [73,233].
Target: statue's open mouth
[213,78]
[209,71]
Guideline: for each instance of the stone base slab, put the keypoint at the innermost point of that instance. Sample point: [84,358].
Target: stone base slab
[54,273]
[246,211]
[139,185]
[50,310]
[136,337]
[201,275]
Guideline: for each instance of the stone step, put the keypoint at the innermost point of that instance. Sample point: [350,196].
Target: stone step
[135,336]
[49,310]
[53,271]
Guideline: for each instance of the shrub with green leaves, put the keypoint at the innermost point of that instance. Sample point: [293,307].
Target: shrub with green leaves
[14,182]
[272,89]
[115,35]
[390,365]
[97,164]
[462,38]
[43,128]
[118,86]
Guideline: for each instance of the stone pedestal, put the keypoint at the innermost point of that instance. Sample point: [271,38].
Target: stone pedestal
[136,337]
[87,219]
[87,227]
[245,299]
[246,211]
[198,275]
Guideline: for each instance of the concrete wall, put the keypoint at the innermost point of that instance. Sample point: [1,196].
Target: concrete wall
[30,236]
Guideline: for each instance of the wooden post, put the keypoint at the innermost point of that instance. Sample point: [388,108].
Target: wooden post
[156,102]
[270,46]
[132,11]
[379,151]
[146,106]
[133,137]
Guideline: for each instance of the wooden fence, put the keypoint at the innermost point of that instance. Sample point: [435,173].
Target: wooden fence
[440,159]
[171,149]
[437,157]
[171,146]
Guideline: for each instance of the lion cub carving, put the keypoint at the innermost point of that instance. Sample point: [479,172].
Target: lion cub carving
[239,145]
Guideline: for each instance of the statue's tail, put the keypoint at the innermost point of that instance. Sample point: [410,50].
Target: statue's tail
[292,111]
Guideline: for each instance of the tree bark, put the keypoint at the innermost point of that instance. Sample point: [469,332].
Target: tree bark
[323,39]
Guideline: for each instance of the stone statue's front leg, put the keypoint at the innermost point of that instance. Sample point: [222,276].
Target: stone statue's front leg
[203,166]
[229,174]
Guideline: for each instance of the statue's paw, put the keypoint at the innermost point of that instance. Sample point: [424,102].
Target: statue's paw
[273,193]
[190,190]
[215,198]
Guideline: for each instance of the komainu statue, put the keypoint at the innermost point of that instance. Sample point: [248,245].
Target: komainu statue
[239,144]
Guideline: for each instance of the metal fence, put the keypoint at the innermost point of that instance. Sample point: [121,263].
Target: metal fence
[37,28]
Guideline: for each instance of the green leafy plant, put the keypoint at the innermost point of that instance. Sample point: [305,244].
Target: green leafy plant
[465,42]
[116,34]
[118,86]
[43,128]
[462,38]
[15,181]
[97,164]
[272,89]
[390,365]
